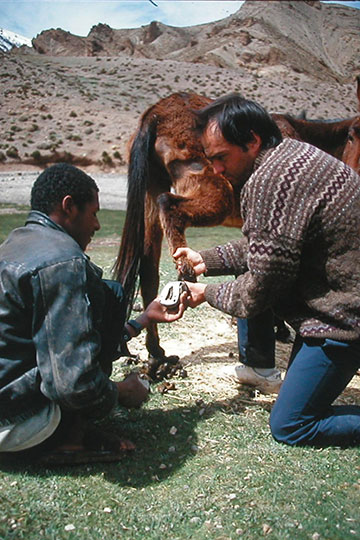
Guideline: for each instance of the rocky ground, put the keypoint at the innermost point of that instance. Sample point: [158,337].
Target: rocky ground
[205,346]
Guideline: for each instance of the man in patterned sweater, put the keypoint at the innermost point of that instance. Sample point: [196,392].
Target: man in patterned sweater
[299,256]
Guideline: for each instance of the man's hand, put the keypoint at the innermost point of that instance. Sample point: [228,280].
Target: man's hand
[197,294]
[132,392]
[193,256]
[156,312]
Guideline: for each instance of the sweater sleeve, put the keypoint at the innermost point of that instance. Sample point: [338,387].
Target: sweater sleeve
[229,259]
[273,264]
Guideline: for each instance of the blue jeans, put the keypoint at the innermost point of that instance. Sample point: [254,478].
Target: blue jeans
[256,338]
[319,370]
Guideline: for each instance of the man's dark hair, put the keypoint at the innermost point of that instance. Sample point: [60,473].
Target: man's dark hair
[238,118]
[57,181]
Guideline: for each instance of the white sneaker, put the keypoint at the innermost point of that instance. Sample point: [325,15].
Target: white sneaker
[248,375]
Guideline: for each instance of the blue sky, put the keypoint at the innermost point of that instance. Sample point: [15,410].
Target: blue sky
[29,17]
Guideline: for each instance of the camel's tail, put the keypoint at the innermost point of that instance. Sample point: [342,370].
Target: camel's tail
[126,268]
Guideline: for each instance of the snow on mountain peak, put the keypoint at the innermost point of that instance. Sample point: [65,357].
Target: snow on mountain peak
[9,39]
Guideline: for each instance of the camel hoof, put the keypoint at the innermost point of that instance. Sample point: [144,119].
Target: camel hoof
[185,271]
[158,369]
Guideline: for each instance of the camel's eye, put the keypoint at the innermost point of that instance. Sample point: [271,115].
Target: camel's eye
[179,168]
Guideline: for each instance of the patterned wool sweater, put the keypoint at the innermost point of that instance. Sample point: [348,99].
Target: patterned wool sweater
[300,253]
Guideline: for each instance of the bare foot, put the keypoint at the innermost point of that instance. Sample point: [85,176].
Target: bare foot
[96,439]
[68,447]
[123,445]
[127,445]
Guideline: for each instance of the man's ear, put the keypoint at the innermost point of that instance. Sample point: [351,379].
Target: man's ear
[255,144]
[68,205]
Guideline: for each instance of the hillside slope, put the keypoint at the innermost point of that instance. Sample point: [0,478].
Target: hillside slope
[308,37]
[67,105]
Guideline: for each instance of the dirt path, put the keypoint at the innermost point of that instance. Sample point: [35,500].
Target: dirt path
[15,188]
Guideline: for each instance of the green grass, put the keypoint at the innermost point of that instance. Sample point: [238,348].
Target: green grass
[9,221]
[220,476]
[111,221]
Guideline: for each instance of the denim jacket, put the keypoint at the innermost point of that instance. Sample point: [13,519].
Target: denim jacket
[51,308]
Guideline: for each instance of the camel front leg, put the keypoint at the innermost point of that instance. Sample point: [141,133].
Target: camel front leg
[149,281]
[209,202]
[174,220]
[149,284]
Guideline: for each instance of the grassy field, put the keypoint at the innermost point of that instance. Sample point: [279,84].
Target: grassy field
[205,467]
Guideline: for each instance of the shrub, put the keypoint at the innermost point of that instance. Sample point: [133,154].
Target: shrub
[2,156]
[36,155]
[73,137]
[106,158]
[12,152]
[73,114]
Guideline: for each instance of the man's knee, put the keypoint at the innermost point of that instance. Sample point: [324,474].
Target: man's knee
[283,430]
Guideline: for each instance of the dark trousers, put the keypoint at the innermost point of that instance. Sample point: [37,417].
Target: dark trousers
[112,325]
[318,372]
[256,338]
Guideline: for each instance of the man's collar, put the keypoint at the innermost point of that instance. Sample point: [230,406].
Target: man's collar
[43,219]
[261,157]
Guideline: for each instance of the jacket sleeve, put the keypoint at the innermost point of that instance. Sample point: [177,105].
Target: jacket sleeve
[273,265]
[67,345]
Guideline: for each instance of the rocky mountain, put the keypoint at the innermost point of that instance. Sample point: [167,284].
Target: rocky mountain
[310,37]
[80,99]
[8,40]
